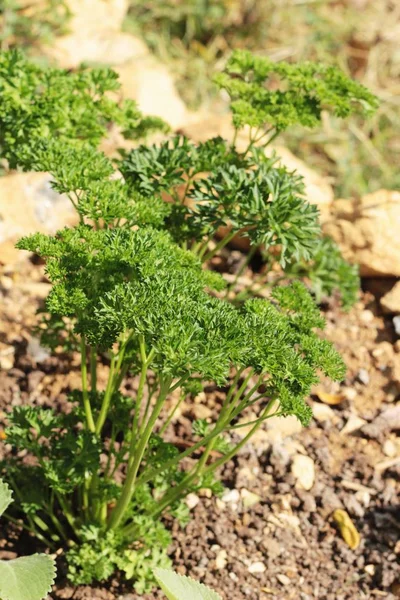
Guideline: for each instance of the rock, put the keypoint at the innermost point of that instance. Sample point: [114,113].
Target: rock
[249,499]
[150,84]
[7,356]
[36,352]
[370,569]
[389,449]
[388,420]
[363,376]
[390,302]
[366,230]
[29,204]
[192,501]
[283,579]
[94,35]
[201,411]
[279,428]
[257,567]
[303,470]
[231,497]
[354,423]
[396,325]
[318,190]
[322,412]
[221,560]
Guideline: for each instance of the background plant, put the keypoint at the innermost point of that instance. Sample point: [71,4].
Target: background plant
[27,578]
[132,279]
[196,37]
[24,24]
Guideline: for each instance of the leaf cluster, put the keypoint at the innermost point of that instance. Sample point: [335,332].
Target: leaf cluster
[99,554]
[328,273]
[279,95]
[43,104]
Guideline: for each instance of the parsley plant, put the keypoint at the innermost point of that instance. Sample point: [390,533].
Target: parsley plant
[132,282]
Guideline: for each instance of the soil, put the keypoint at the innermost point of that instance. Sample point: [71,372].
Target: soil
[267,537]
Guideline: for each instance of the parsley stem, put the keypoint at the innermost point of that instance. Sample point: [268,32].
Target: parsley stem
[93,368]
[221,244]
[107,397]
[85,394]
[129,485]
[257,424]
[172,413]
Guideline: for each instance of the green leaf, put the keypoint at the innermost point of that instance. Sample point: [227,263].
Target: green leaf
[179,587]
[27,578]
[5,497]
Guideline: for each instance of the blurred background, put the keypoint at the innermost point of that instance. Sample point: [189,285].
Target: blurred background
[193,38]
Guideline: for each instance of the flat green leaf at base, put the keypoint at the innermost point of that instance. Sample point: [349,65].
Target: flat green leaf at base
[179,587]
[5,497]
[26,578]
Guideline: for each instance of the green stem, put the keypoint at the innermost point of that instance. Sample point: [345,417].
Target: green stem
[139,450]
[85,394]
[172,413]
[221,244]
[32,530]
[93,369]
[105,405]
[67,513]
[257,424]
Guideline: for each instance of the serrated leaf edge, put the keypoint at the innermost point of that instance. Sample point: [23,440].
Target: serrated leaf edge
[52,573]
[159,571]
[5,488]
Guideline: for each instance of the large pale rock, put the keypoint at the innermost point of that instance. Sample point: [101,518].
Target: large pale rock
[94,35]
[318,190]
[150,84]
[367,231]
[390,302]
[28,204]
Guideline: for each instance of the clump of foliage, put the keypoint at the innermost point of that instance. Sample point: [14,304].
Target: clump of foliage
[131,279]
[179,587]
[26,24]
[26,578]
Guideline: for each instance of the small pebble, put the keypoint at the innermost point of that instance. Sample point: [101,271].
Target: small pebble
[231,497]
[370,569]
[349,393]
[389,449]
[366,316]
[249,499]
[303,470]
[363,376]
[283,579]
[257,567]
[192,500]
[396,324]
[221,560]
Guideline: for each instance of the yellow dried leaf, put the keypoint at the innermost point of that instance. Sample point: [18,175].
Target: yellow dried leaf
[347,528]
[2,435]
[331,399]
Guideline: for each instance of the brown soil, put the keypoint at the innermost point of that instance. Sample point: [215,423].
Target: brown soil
[286,545]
